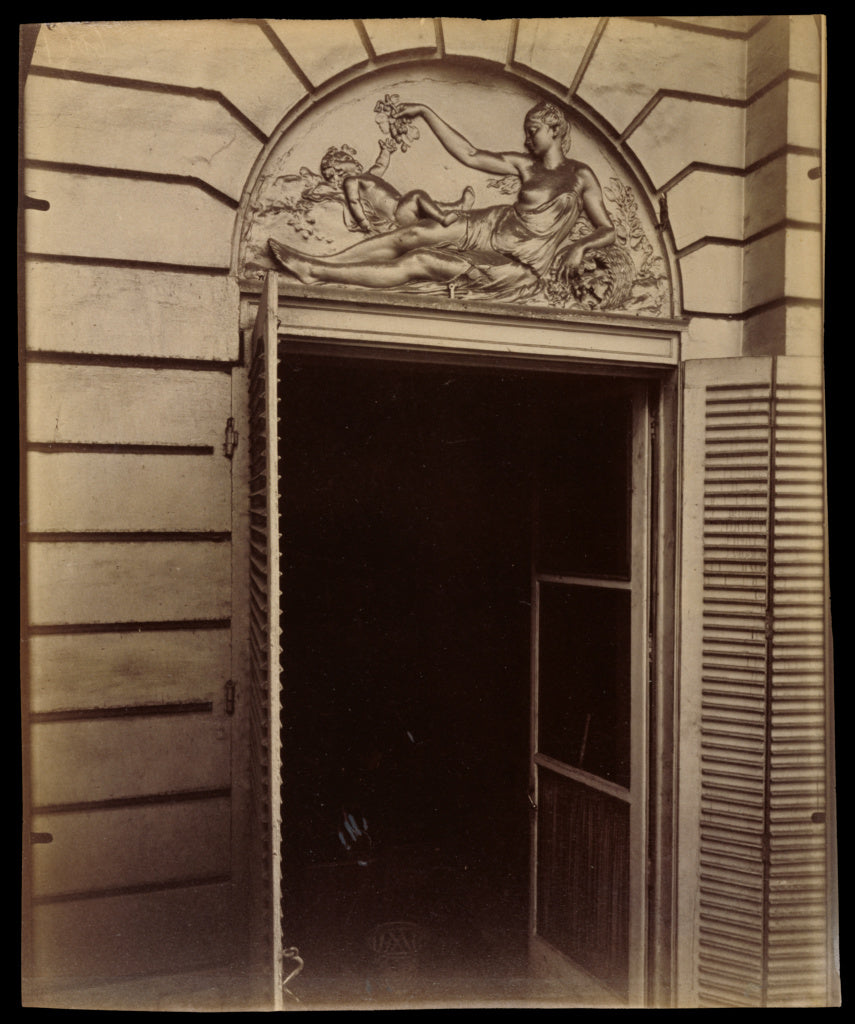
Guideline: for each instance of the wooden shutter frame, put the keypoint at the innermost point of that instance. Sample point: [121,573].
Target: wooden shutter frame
[754,892]
[265,631]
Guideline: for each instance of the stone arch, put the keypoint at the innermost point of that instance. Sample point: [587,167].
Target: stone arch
[622,171]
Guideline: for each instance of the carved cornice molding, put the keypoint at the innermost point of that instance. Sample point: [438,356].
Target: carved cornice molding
[316,320]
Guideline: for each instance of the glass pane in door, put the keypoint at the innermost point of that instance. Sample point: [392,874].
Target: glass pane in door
[584,488]
[584,678]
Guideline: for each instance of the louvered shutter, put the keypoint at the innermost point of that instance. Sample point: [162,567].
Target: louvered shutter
[265,629]
[754,681]
[797,769]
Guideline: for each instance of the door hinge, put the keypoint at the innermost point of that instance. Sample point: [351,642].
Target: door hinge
[230,697]
[231,438]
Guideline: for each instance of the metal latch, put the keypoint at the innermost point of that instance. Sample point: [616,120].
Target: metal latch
[230,697]
[231,439]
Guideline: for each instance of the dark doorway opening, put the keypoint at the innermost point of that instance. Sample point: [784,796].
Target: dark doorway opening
[408,495]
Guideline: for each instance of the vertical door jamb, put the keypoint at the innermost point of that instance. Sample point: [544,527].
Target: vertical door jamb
[640,680]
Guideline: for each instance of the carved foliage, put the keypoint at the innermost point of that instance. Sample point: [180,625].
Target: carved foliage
[292,200]
[649,288]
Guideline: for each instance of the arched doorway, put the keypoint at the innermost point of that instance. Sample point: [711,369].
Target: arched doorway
[434,762]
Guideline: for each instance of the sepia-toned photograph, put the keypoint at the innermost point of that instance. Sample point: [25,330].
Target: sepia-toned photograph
[424,515]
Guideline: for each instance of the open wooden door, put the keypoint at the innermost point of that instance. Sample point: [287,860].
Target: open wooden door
[589,698]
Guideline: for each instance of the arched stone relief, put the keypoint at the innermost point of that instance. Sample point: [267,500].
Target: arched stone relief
[367,190]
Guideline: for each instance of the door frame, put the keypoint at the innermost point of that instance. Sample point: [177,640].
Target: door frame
[450,333]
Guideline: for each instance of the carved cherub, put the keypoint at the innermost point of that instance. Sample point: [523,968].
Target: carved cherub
[374,204]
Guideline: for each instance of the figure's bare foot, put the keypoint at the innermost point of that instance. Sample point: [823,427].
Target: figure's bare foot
[465,202]
[294,262]
[450,212]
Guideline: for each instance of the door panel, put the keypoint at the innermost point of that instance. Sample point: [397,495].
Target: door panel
[589,707]
[583,893]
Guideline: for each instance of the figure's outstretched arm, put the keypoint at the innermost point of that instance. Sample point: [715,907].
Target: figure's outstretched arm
[381,164]
[461,148]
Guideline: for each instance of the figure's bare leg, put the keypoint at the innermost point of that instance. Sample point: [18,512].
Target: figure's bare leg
[379,248]
[420,265]
[465,201]
[295,262]
[442,213]
[409,211]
